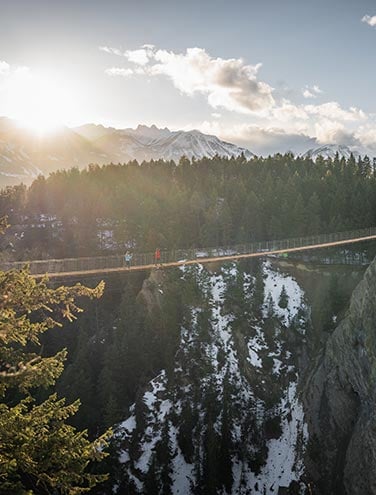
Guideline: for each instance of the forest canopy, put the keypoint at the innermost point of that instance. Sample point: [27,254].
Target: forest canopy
[200,203]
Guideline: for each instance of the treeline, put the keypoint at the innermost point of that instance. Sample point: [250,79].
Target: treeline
[201,203]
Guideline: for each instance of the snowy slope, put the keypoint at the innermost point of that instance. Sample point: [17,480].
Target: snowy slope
[329,151]
[195,144]
[147,143]
[25,155]
[253,371]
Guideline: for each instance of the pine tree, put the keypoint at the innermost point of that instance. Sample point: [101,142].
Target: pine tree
[258,291]
[184,437]
[152,484]
[270,310]
[164,459]
[225,445]
[283,298]
[39,451]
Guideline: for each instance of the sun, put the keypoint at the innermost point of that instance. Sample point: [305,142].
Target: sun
[40,104]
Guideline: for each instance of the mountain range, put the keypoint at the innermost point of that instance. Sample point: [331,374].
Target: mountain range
[330,151]
[24,155]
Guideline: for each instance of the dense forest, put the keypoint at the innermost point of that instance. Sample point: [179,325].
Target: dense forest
[121,342]
[208,202]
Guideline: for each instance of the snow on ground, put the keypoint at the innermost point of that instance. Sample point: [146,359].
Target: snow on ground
[222,322]
[274,282]
[183,473]
[280,467]
[283,463]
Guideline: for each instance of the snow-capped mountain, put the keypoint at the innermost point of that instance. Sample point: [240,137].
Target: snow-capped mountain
[146,143]
[330,151]
[24,155]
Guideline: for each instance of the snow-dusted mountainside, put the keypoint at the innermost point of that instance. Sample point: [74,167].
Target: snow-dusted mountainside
[146,143]
[330,151]
[23,155]
[227,417]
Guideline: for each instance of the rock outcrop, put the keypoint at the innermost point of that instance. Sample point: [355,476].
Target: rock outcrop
[340,401]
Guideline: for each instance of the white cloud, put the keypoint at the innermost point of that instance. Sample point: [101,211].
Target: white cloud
[330,132]
[287,111]
[141,56]
[312,91]
[370,20]
[233,85]
[227,83]
[4,68]
[366,135]
[12,75]
[333,111]
[112,51]
[260,140]
[119,71]
[307,94]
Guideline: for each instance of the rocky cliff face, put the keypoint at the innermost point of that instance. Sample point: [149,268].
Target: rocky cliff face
[340,401]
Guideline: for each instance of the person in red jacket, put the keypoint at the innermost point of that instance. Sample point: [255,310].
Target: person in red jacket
[157,257]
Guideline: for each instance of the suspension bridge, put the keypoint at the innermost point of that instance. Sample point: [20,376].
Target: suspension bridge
[102,265]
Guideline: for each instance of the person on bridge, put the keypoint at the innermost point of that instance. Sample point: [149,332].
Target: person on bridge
[128,259]
[157,257]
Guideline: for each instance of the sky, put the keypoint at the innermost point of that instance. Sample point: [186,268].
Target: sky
[272,75]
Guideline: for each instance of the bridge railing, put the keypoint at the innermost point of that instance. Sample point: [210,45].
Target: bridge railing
[68,265]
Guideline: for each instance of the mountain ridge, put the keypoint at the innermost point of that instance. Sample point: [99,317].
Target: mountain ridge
[330,150]
[24,156]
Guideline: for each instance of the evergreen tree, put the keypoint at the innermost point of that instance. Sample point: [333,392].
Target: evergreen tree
[152,484]
[270,310]
[39,451]
[164,459]
[283,298]
[258,290]
[185,440]
[225,446]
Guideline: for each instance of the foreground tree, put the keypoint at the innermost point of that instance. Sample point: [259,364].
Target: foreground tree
[40,453]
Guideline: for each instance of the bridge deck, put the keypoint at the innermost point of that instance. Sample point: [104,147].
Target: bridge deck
[94,266]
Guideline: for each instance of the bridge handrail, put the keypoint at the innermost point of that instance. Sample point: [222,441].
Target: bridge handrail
[62,265]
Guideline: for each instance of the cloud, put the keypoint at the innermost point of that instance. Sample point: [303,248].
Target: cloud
[270,119]
[4,68]
[110,50]
[119,71]
[308,94]
[260,140]
[331,132]
[287,111]
[333,111]
[312,91]
[366,135]
[370,20]
[227,83]
[12,75]
[140,56]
